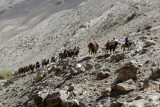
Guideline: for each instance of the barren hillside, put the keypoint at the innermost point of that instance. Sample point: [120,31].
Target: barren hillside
[120,79]
[101,19]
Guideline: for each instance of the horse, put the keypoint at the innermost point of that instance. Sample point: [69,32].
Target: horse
[93,48]
[26,68]
[45,62]
[76,51]
[130,45]
[111,46]
[31,66]
[37,65]
[21,70]
[53,59]
[61,56]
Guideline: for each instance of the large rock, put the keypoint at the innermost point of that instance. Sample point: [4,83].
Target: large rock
[73,71]
[155,73]
[139,103]
[106,92]
[117,57]
[55,99]
[102,75]
[116,104]
[125,86]
[71,88]
[79,68]
[38,97]
[72,103]
[144,50]
[88,66]
[39,76]
[53,68]
[128,71]
[150,43]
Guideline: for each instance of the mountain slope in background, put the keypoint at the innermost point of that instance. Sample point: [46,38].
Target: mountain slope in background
[19,15]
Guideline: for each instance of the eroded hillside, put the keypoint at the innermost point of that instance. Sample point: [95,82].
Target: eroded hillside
[78,26]
[113,80]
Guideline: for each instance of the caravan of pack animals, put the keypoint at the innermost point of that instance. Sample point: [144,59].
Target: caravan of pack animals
[72,53]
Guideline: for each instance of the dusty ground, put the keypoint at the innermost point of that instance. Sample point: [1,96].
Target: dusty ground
[93,20]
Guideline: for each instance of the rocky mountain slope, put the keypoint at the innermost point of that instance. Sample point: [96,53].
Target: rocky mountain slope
[113,80]
[93,19]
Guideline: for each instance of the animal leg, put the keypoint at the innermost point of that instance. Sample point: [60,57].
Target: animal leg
[124,49]
[113,50]
[110,51]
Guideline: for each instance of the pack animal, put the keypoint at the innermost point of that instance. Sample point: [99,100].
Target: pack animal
[93,48]
[45,62]
[130,45]
[37,65]
[111,46]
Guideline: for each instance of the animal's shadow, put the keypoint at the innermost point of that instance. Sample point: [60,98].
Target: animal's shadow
[84,59]
[103,56]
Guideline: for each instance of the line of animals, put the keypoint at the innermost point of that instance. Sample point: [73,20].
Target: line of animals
[72,53]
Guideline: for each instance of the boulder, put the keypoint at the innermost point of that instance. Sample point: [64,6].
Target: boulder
[79,67]
[125,86]
[88,66]
[146,84]
[74,71]
[72,103]
[117,57]
[138,103]
[139,97]
[39,76]
[155,73]
[106,92]
[138,49]
[149,43]
[37,98]
[102,102]
[71,88]
[52,68]
[102,75]
[55,99]
[158,88]
[144,50]
[1,105]
[116,104]
[128,71]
